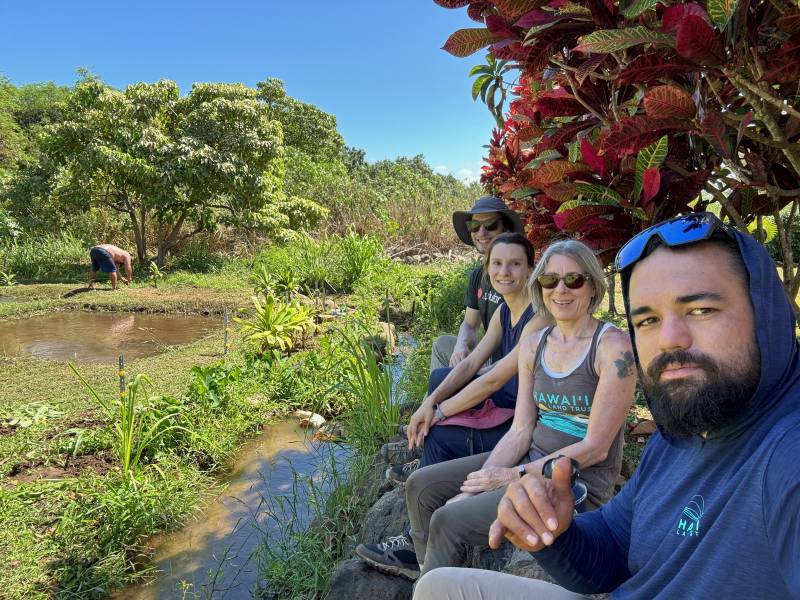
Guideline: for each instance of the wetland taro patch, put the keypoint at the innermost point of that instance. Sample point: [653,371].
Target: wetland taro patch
[99,337]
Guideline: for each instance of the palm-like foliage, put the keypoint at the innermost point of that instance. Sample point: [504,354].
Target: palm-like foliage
[274,327]
[488,83]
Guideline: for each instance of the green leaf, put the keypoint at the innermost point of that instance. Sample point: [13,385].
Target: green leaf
[478,85]
[611,40]
[648,157]
[721,11]
[481,69]
[574,151]
[523,192]
[599,194]
[768,226]
[637,7]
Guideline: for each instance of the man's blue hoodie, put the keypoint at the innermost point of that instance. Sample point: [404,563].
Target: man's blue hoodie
[707,518]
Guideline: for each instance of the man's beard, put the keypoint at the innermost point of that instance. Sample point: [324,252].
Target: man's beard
[687,407]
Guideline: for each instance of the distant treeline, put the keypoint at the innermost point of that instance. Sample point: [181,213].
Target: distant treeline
[157,170]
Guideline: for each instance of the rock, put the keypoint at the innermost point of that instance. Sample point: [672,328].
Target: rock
[354,579]
[645,427]
[483,557]
[387,517]
[309,420]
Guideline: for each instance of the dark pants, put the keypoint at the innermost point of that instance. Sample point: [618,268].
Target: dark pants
[102,260]
[446,442]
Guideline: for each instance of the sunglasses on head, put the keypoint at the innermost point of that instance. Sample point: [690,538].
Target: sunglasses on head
[679,231]
[573,281]
[488,225]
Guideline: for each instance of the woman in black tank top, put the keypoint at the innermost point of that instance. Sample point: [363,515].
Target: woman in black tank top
[454,430]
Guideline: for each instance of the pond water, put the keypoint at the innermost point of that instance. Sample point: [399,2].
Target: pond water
[213,556]
[99,337]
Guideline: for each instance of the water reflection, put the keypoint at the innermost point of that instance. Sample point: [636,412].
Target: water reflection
[99,337]
[212,557]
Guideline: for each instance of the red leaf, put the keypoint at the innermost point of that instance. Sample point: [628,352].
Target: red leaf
[651,182]
[513,9]
[558,104]
[588,66]
[536,17]
[563,192]
[466,41]
[630,135]
[500,27]
[757,167]
[475,10]
[746,120]
[554,172]
[564,134]
[452,3]
[789,22]
[684,190]
[674,15]
[603,17]
[669,101]
[574,219]
[697,42]
[785,73]
[597,163]
[715,132]
[652,67]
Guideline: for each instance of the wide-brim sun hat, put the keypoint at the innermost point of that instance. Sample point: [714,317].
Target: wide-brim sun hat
[487,204]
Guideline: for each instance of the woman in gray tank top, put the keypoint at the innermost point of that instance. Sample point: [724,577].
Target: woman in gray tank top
[576,383]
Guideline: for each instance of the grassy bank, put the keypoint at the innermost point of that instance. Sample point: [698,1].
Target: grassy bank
[76,526]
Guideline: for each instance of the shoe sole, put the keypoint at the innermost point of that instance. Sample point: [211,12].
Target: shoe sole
[409,574]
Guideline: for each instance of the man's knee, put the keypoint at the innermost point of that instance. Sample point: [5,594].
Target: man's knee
[446,522]
[436,584]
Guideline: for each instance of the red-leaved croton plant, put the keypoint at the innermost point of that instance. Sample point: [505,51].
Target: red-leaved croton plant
[627,113]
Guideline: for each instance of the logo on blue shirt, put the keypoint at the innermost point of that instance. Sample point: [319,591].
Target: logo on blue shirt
[689,521]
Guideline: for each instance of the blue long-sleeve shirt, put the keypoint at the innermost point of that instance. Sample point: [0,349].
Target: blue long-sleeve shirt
[715,517]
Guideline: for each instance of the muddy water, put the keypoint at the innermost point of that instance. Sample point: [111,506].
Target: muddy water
[211,556]
[99,337]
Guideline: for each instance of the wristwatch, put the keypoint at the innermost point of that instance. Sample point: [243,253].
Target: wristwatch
[521,470]
[437,412]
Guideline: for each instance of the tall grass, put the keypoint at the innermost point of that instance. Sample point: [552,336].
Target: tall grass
[62,257]
[137,427]
[374,419]
[334,263]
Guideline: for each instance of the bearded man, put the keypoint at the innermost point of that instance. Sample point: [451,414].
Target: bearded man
[713,510]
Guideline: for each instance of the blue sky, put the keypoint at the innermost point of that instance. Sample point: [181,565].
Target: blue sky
[375,64]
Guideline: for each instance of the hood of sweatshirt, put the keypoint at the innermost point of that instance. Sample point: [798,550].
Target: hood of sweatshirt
[778,391]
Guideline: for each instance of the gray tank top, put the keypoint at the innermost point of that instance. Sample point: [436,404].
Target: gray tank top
[564,402]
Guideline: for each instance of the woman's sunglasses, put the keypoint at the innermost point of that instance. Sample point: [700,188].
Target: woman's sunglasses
[489,225]
[573,281]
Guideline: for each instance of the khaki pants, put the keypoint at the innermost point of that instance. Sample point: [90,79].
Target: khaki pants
[442,350]
[477,584]
[442,534]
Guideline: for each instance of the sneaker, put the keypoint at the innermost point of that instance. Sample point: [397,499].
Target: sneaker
[398,474]
[395,556]
[397,453]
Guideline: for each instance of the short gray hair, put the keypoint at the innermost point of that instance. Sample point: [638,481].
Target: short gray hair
[581,254]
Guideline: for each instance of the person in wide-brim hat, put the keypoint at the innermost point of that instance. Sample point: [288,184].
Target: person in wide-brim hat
[487,204]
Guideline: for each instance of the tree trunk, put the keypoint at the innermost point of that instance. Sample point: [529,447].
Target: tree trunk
[612,292]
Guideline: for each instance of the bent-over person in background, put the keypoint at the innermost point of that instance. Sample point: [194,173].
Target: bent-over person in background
[110,259]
